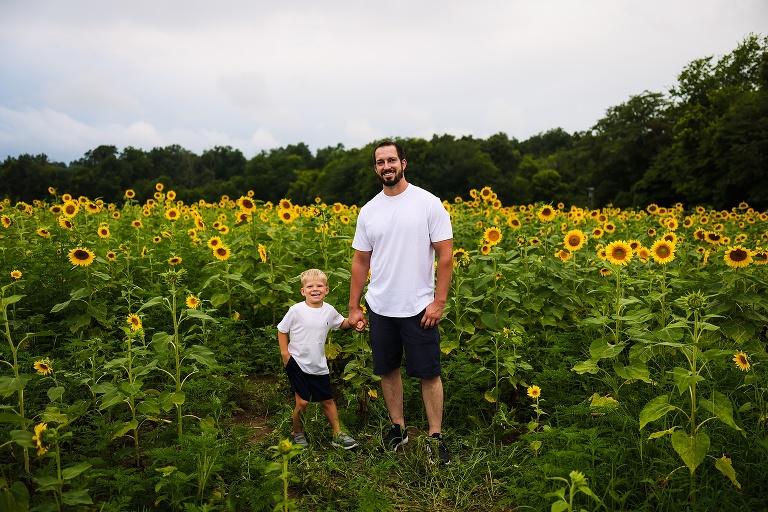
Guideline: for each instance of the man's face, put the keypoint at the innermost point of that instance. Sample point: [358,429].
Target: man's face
[389,167]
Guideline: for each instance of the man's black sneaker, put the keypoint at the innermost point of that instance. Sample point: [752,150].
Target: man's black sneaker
[394,439]
[437,442]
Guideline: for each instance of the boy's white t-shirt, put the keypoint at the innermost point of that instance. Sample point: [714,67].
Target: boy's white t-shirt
[399,230]
[307,329]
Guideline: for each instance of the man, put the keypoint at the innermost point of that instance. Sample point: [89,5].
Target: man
[397,236]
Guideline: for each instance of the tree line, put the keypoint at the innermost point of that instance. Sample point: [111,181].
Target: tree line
[703,142]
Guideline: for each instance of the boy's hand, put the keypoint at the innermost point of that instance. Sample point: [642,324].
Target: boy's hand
[360,326]
[286,357]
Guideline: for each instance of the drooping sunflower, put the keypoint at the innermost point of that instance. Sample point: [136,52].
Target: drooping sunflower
[221,252]
[737,257]
[563,255]
[663,251]
[263,253]
[92,208]
[192,302]
[7,221]
[760,256]
[199,223]
[134,321]
[618,252]
[643,254]
[670,237]
[742,361]
[174,260]
[103,232]
[574,240]
[38,438]
[243,217]
[605,272]
[43,366]
[492,236]
[16,274]
[44,232]
[460,258]
[546,213]
[81,256]
[534,391]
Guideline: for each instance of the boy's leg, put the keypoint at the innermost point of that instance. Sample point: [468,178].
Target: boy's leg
[432,394]
[392,389]
[298,410]
[330,411]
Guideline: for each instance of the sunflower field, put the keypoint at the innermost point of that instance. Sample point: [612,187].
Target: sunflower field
[595,359]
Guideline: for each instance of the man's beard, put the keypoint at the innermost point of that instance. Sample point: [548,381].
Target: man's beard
[391,182]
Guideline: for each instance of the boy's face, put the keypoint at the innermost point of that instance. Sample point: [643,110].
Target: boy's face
[315,291]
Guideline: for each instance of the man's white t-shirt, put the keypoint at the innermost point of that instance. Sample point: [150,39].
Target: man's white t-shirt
[307,329]
[399,231]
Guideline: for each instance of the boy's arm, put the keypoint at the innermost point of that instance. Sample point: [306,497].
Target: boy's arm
[282,339]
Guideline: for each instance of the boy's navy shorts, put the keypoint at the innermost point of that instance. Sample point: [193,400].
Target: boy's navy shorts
[312,388]
[391,337]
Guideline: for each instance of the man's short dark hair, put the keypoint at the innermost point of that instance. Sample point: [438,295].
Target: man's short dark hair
[398,147]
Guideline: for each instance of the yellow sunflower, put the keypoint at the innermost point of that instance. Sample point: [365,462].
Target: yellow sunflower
[597,233]
[221,252]
[643,253]
[546,213]
[563,255]
[605,272]
[263,253]
[103,232]
[574,240]
[534,391]
[38,438]
[43,232]
[172,214]
[713,237]
[285,204]
[514,223]
[111,256]
[214,242]
[55,209]
[159,187]
[81,256]
[192,302]
[737,257]
[170,195]
[130,194]
[760,256]
[741,361]
[134,321]
[663,251]
[492,236]
[485,249]
[16,274]
[174,260]
[70,208]
[460,258]
[43,366]
[136,223]
[7,221]
[618,253]
[286,216]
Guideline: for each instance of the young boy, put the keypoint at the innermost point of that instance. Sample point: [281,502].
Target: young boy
[301,334]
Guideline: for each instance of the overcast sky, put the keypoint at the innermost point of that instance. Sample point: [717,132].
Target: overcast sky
[256,74]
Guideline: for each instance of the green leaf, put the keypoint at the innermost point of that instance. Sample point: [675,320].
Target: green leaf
[588,366]
[154,301]
[149,406]
[654,410]
[23,438]
[76,497]
[124,427]
[55,393]
[692,448]
[196,313]
[219,298]
[11,385]
[60,306]
[559,506]
[14,497]
[726,468]
[161,340]
[684,379]
[72,471]
[111,399]
[53,415]
[720,405]
[202,355]
[602,349]
[635,371]
[662,433]
[494,322]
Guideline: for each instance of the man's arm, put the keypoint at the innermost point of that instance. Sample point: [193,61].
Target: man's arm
[361,263]
[434,312]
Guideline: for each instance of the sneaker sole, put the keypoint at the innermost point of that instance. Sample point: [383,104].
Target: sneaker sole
[394,447]
[337,445]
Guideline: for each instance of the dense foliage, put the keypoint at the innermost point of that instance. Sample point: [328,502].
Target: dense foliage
[605,358]
[705,142]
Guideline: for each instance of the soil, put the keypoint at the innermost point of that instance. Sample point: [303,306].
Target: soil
[255,415]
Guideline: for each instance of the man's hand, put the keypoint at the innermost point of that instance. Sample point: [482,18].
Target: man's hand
[357,319]
[432,315]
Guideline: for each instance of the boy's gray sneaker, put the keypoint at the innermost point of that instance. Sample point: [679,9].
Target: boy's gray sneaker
[343,440]
[394,439]
[299,439]
[436,442]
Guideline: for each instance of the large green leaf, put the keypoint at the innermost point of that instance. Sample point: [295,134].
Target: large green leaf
[11,385]
[726,468]
[602,349]
[655,409]
[72,471]
[720,405]
[692,448]
[684,379]
[202,355]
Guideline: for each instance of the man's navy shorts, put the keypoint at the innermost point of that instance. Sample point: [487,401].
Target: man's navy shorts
[312,388]
[391,337]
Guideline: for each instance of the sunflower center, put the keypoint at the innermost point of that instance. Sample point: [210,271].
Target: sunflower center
[738,255]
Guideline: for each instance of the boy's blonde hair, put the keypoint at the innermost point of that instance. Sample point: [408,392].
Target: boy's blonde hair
[313,273]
